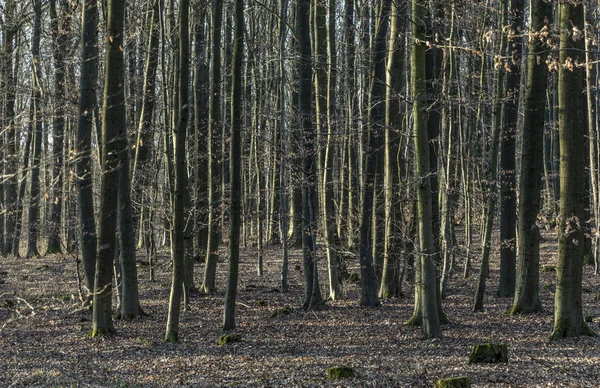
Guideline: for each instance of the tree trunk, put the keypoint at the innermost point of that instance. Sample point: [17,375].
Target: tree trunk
[568,309]
[34,198]
[526,297]
[179,132]
[11,158]
[236,168]
[491,196]
[87,105]
[113,118]
[214,145]
[425,277]
[312,296]
[60,29]
[508,195]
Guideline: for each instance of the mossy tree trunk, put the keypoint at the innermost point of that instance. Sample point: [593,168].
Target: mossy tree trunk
[526,297]
[568,308]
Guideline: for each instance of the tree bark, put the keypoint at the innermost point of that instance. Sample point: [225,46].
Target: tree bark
[425,276]
[179,202]
[568,309]
[526,297]
[113,118]
[235,168]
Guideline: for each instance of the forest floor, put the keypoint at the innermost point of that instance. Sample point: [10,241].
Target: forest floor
[44,342]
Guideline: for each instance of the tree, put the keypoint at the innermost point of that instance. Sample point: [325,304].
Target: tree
[113,118]
[425,273]
[87,105]
[526,297]
[568,313]
[235,208]
[60,29]
[34,201]
[180,132]
[312,294]
[508,195]
[214,140]
[389,285]
[7,86]
[372,159]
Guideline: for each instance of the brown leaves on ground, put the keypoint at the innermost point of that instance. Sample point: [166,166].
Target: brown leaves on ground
[43,334]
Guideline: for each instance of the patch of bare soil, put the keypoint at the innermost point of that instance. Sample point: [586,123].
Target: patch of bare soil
[43,334]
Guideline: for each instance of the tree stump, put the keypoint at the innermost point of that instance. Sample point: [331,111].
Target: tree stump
[489,353]
[454,382]
[339,372]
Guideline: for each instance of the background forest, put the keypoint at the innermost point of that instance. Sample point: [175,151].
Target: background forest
[299,158]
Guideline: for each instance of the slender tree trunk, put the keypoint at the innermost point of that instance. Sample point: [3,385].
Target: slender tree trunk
[491,190]
[214,140]
[389,285]
[508,195]
[34,198]
[11,158]
[236,168]
[180,131]
[113,118]
[60,29]
[371,155]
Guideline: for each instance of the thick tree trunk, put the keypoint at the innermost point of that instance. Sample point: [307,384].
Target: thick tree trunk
[568,308]
[425,275]
[312,295]
[526,297]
